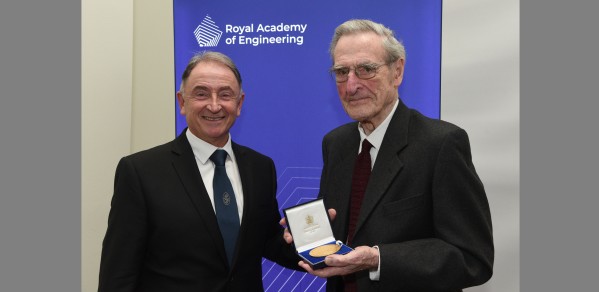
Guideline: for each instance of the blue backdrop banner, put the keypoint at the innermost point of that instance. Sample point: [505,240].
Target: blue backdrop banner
[281,49]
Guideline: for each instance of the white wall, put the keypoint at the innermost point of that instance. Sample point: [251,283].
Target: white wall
[127,102]
[480,93]
[106,85]
[127,105]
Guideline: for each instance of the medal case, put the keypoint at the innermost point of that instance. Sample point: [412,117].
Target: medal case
[311,229]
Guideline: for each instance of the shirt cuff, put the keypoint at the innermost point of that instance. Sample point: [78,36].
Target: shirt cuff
[375,275]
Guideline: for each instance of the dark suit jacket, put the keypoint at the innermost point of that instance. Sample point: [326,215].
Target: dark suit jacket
[162,231]
[424,205]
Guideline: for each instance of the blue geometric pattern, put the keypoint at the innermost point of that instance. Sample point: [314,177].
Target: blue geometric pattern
[296,185]
[207,33]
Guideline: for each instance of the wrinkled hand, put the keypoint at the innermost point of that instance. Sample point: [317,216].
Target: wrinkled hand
[287,235]
[361,258]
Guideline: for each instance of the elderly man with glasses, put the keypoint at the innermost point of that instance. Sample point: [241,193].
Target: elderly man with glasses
[404,190]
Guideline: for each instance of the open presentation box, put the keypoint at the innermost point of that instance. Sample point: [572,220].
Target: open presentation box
[312,234]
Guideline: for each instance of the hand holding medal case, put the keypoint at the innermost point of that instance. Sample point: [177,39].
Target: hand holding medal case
[312,234]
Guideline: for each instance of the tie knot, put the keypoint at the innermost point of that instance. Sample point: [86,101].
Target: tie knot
[366,146]
[218,157]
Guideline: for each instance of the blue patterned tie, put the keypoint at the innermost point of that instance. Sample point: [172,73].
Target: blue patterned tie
[225,203]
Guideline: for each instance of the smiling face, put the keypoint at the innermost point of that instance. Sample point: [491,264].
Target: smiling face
[368,101]
[211,101]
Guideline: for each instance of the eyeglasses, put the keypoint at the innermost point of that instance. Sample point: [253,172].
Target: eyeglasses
[362,71]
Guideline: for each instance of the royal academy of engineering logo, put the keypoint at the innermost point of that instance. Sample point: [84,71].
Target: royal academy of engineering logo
[208,33]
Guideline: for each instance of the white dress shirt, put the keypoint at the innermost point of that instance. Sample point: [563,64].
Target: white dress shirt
[202,151]
[376,139]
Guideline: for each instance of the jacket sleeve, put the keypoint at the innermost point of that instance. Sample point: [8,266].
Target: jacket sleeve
[125,241]
[275,248]
[461,252]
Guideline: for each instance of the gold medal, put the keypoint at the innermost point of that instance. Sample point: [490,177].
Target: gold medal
[325,250]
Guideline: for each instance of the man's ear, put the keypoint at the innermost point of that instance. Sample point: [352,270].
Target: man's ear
[181,101]
[398,67]
[241,99]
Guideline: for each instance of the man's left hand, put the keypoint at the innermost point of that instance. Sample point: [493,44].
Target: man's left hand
[361,258]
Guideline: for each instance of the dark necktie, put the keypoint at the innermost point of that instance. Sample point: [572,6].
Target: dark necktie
[359,181]
[225,203]
[358,187]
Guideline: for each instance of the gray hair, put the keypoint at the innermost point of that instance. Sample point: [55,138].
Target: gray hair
[394,48]
[210,56]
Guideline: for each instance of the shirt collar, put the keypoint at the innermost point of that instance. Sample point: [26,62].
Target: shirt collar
[376,137]
[202,150]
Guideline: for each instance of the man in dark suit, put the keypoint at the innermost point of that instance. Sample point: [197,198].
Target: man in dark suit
[423,223]
[166,231]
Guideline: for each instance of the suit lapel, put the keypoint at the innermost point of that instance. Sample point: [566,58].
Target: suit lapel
[387,164]
[245,171]
[187,169]
[343,161]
